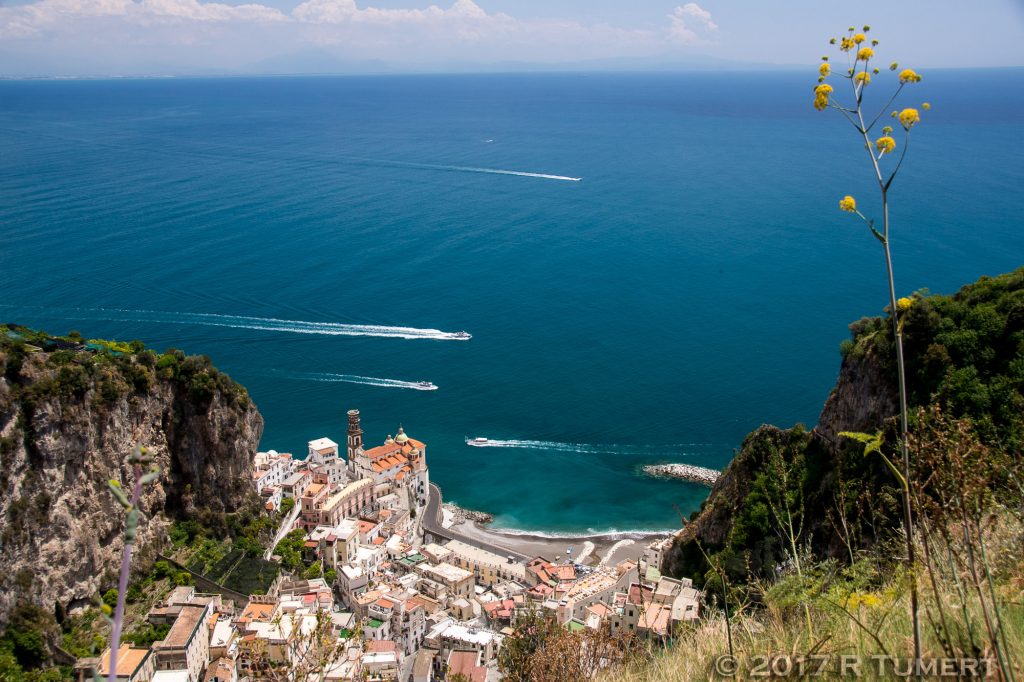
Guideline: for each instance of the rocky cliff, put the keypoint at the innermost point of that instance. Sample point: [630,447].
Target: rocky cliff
[69,415]
[965,355]
[862,399]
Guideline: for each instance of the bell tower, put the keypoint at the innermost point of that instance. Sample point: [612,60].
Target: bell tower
[355,435]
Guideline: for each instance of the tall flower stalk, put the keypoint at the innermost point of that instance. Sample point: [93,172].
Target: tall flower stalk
[136,460]
[860,55]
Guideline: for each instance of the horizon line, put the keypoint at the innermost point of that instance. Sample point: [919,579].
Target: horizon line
[481,72]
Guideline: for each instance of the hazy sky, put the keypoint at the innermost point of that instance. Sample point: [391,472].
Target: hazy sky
[93,37]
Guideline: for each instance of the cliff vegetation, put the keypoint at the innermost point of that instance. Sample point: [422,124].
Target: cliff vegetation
[71,410]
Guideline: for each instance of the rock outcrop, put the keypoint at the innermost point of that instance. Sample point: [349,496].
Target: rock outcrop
[964,356]
[863,398]
[68,419]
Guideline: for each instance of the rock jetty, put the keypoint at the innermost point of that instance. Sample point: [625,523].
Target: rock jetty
[460,515]
[687,472]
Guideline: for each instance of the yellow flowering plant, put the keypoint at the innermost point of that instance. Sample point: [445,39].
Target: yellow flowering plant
[859,75]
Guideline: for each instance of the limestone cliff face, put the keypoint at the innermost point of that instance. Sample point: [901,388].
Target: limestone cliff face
[864,396]
[67,422]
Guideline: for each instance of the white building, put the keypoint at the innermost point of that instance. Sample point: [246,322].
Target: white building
[187,644]
[270,469]
[489,568]
[449,635]
[323,458]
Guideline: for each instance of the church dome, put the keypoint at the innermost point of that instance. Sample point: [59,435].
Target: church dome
[401,437]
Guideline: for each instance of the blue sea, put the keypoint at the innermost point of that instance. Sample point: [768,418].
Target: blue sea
[692,284]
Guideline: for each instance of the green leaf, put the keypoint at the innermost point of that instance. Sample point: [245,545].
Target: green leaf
[872,443]
[118,493]
[154,473]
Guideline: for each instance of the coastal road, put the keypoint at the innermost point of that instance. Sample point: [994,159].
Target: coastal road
[432,524]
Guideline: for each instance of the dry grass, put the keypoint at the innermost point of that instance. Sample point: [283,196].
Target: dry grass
[857,612]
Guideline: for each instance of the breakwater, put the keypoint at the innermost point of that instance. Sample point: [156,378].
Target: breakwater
[687,472]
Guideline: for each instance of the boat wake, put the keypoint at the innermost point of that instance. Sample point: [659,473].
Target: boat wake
[355,379]
[547,445]
[501,171]
[467,169]
[272,324]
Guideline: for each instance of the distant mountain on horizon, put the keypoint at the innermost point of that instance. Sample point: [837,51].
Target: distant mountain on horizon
[324,62]
[317,61]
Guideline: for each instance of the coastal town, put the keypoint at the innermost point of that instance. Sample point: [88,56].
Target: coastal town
[404,593]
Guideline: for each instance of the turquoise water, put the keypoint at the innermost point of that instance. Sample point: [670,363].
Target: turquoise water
[695,283]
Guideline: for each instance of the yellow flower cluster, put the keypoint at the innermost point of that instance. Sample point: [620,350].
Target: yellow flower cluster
[909,76]
[866,53]
[885,144]
[904,304]
[868,599]
[908,117]
[862,78]
[821,94]
[859,38]
[846,44]
[824,69]
[848,204]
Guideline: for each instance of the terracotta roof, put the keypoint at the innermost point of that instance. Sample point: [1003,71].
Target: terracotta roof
[258,611]
[381,645]
[129,659]
[655,618]
[383,450]
[639,594]
[465,662]
[565,572]
[388,462]
[417,600]
[220,669]
[313,490]
[541,589]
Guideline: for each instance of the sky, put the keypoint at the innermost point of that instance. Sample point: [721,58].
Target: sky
[183,37]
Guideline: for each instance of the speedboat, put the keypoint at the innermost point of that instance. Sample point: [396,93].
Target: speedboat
[425,384]
[462,336]
[477,442]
